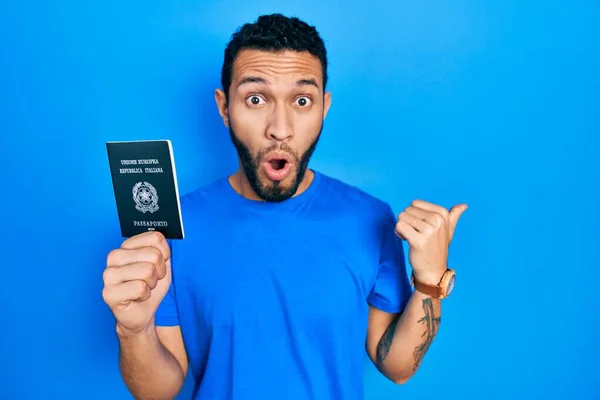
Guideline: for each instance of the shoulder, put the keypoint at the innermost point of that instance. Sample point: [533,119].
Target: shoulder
[202,205]
[204,195]
[347,195]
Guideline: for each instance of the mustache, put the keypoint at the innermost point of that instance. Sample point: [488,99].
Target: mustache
[283,147]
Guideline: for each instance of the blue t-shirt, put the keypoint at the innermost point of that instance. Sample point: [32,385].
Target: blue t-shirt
[272,298]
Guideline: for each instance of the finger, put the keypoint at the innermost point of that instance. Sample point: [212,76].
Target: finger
[431,217]
[454,215]
[147,239]
[120,257]
[144,271]
[126,292]
[430,207]
[406,232]
[417,223]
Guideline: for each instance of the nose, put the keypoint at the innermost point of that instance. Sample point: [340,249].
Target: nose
[280,127]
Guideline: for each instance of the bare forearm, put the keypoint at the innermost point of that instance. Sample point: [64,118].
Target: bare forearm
[149,370]
[407,339]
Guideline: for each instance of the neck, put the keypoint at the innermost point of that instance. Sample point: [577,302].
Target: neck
[239,182]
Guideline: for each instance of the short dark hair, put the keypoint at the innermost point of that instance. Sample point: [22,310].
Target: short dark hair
[274,32]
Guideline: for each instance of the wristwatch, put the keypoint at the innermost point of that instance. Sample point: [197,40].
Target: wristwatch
[439,291]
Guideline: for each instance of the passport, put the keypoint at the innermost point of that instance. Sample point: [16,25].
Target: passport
[145,187]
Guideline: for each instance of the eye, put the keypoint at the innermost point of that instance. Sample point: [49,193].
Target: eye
[255,100]
[303,101]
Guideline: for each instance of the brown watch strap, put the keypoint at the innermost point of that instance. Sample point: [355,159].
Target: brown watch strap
[434,291]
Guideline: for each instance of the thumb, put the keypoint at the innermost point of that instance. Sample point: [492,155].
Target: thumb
[454,215]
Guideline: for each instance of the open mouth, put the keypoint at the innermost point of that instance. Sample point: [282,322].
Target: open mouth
[277,164]
[277,167]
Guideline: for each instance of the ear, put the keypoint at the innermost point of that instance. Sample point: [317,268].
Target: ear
[326,103]
[222,106]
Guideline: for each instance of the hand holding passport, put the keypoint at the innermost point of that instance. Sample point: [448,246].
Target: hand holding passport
[136,279]
[138,274]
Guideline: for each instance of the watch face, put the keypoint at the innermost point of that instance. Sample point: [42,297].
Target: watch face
[450,285]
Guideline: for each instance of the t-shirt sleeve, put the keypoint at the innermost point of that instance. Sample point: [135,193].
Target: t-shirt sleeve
[166,314]
[391,290]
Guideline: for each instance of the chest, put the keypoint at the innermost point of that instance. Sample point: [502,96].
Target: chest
[273,275]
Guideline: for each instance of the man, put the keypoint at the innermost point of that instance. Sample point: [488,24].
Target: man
[286,275]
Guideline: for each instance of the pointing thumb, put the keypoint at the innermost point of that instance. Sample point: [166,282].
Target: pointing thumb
[454,215]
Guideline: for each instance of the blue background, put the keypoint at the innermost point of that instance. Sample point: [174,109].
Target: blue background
[493,103]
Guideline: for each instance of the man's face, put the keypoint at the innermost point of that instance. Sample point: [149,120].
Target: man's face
[275,117]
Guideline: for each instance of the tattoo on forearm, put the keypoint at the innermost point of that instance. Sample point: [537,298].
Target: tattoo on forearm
[383,348]
[432,324]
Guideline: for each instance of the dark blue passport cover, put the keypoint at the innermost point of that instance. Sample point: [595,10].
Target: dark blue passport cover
[145,187]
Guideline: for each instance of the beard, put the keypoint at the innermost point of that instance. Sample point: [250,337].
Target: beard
[273,191]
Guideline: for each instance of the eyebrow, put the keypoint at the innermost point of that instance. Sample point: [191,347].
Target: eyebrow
[307,82]
[256,79]
[252,79]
